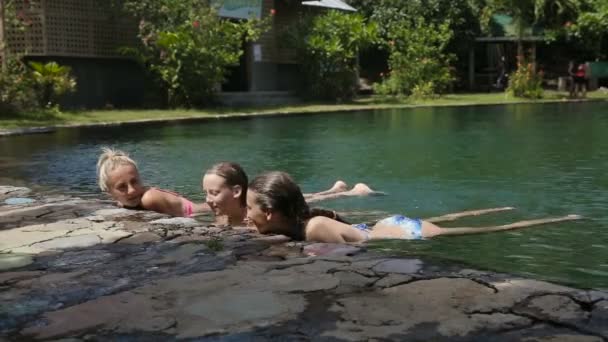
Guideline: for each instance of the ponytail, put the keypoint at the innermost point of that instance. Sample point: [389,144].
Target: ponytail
[332,214]
[107,162]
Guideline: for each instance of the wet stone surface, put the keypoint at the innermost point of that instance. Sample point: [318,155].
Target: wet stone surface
[73,269]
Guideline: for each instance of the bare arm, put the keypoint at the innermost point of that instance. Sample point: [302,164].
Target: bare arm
[201,208]
[430,230]
[455,216]
[162,202]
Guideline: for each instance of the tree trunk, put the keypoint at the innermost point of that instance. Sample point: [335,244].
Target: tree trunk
[520,50]
[519,24]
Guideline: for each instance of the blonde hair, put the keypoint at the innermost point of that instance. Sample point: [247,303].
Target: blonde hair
[108,161]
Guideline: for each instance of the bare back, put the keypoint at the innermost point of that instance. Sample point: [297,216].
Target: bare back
[325,229]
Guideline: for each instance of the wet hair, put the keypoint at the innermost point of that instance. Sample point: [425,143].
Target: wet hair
[278,192]
[109,160]
[234,174]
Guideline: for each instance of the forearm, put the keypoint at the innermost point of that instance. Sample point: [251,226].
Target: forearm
[201,208]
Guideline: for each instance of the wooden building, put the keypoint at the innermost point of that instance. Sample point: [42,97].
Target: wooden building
[87,34]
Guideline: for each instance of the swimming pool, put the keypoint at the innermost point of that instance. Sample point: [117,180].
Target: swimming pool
[546,160]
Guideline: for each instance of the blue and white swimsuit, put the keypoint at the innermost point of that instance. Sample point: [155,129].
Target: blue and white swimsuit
[412,228]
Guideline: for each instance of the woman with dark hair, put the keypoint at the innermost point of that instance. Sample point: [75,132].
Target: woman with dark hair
[580,81]
[225,186]
[275,205]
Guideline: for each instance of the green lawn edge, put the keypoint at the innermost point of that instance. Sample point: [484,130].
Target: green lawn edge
[36,121]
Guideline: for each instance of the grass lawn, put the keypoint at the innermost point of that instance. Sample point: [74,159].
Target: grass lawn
[374,102]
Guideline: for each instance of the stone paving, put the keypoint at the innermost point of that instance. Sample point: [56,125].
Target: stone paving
[74,269]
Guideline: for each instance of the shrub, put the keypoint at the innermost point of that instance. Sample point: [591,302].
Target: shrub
[526,82]
[50,81]
[188,47]
[327,47]
[417,60]
[16,88]
[24,88]
[40,86]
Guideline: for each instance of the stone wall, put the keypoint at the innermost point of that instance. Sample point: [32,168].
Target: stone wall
[85,270]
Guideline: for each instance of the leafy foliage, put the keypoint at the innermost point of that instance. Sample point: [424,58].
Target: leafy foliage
[460,15]
[551,15]
[16,88]
[188,47]
[24,88]
[418,64]
[591,26]
[526,82]
[50,81]
[327,47]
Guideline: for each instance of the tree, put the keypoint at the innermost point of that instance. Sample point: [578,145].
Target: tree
[591,26]
[459,16]
[550,14]
[418,63]
[327,47]
[188,47]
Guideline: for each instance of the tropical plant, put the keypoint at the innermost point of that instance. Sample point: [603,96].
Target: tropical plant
[50,81]
[417,61]
[17,82]
[16,88]
[327,48]
[526,81]
[460,15]
[188,47]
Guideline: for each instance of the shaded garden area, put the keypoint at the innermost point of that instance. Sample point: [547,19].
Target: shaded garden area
[408,51]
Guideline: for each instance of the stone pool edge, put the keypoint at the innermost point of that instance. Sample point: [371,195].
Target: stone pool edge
[84,269]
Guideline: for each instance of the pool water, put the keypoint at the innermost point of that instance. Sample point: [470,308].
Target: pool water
[545,160]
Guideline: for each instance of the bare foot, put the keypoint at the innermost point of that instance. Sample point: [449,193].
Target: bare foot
[339,186]
[361,189]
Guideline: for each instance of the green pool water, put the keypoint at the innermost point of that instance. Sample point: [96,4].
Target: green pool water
[545,160]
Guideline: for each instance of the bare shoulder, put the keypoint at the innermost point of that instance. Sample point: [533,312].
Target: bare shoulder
[152,195]
[324,229]
[321,222]
[153,198]
[162,202]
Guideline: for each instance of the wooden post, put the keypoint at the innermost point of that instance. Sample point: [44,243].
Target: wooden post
[2,38]
[533,56]
[472,68]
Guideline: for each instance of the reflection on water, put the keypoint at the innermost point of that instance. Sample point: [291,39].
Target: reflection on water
[545,160]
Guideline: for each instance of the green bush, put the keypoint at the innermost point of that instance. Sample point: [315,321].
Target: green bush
[27,88]
[417,61]
[39,86]
[327,47]
[526,82]
[188,47]
[50,82]
[16,89]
